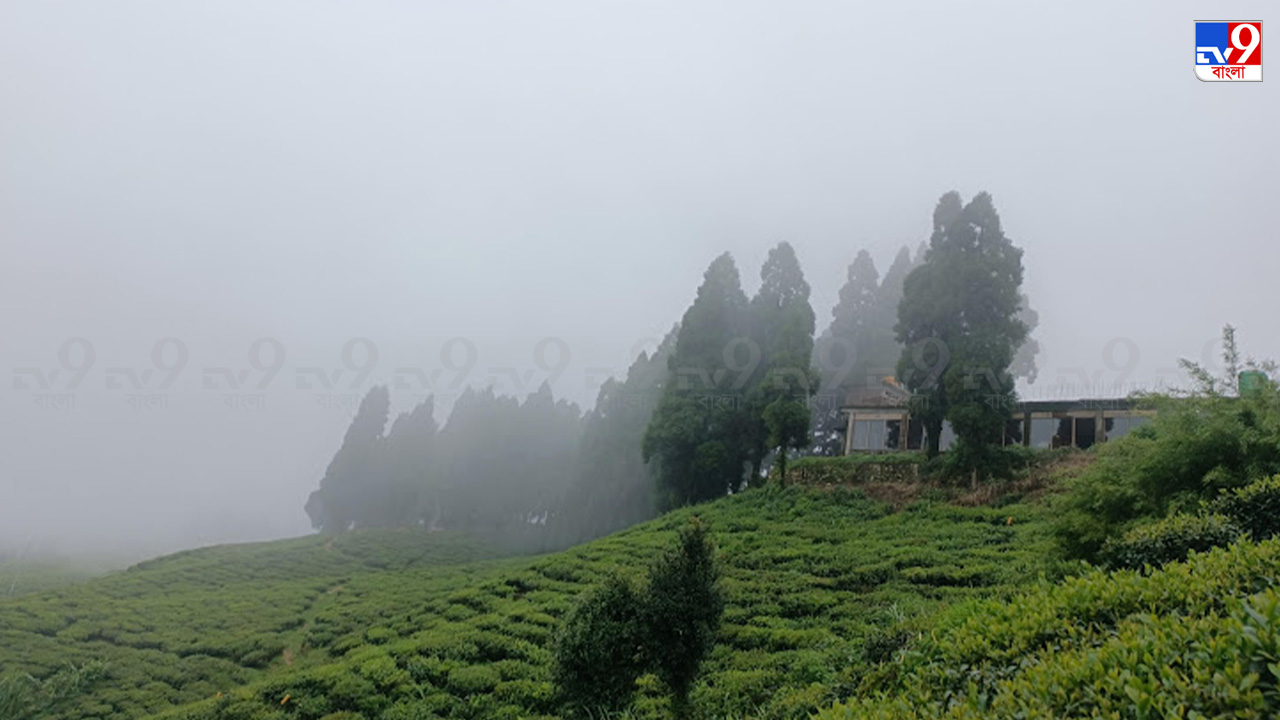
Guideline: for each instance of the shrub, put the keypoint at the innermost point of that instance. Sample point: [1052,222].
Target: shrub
[384,672]
[18,696]
[614,633]
[1200,443]
[473,679]
[682,611]
[598,648]
[1168,540]
[352,692]
[23,696]
[854,469]
[1193,639]
[1192,450]
[1255,508]
[738,692]
[882,645]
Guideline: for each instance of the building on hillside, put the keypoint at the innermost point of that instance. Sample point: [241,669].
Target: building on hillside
[878,419]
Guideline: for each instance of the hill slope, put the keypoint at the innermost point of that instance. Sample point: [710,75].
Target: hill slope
[814,580]
[1199,638]
[182,627]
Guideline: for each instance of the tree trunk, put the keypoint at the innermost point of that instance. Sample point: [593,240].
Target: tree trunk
[933,438]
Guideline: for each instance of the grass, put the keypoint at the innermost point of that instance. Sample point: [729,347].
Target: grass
[820,584]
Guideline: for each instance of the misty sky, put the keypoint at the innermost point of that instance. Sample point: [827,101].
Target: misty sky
[411,172]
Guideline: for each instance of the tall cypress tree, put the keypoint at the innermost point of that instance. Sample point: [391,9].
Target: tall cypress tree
[958,322]
[782,325]
[347,482]
[860,346]
[889,294]
[840,352]
[405,495]
[1024,360]
[613,487]
[545,444]
[695,435]
[923,321]
[854,318]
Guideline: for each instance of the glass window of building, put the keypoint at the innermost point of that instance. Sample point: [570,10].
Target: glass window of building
[1042,432]
[868,435]
[1118,427]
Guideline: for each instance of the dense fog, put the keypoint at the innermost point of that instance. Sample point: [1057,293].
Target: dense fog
[221,226]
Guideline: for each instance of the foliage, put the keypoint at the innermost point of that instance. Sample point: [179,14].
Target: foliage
[1255,508]
[23,697]
[612,486]
[1234,362]
[181,628]
[383,623]
[1024,360]
[787,421]
[857,468]
[859,346]
[457,477]
[1168,540]
[504,465]
[959,326]
[403,466]
[337,505]
[739,383]
[905,457]
[598,648]
[682,611]
[700,437]
[1200,443]
[782,325]
[1193,639]
[614,633]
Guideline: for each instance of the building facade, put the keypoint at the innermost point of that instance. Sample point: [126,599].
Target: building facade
[878,419]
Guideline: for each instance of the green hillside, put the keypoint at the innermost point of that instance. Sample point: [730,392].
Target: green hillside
[1194,639]
[881,599]
[182,627]
[407,624]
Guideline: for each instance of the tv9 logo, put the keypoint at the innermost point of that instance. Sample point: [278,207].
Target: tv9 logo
[1229,51]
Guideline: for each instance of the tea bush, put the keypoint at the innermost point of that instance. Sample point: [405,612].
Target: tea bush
[1168,540]
[1193,639]
[1255,507]
[806,578]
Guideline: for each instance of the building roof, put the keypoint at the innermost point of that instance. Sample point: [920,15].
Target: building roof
[895,398]
[885,394]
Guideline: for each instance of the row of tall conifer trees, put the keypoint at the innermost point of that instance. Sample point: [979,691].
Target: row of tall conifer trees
[738,384]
